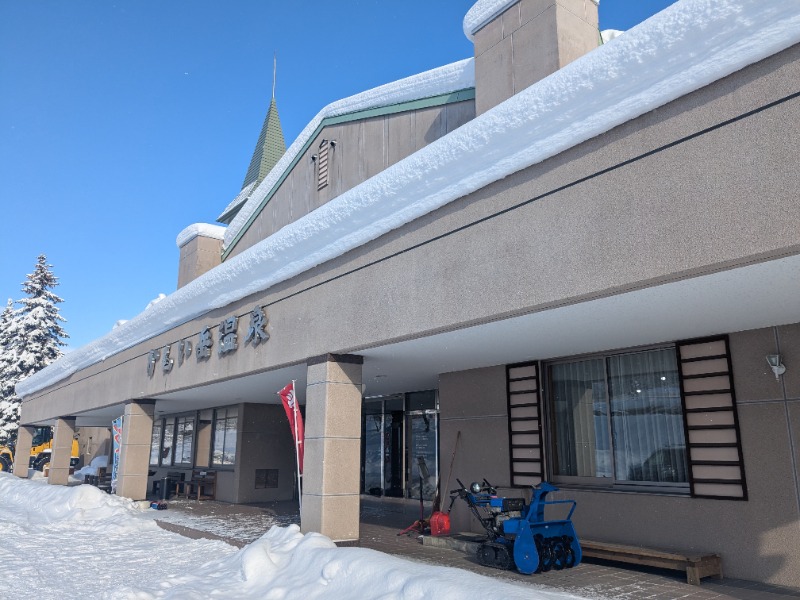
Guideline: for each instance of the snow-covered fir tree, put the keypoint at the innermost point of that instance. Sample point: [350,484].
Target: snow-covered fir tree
[35,338]
[8,372]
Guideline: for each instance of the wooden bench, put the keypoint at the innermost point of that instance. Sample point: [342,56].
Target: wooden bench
[202,485]
[696,566]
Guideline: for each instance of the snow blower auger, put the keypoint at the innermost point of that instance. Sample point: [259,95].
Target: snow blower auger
[518,534]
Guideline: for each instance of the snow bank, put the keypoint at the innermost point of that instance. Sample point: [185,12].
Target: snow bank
[39,503]
[216,232]
[81,543]
[285,564]
[683,48]
[484,11]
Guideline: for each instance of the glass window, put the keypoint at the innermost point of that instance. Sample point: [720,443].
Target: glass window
[618,419]
[155,443]
[184,439]
[167,445]
[224,449]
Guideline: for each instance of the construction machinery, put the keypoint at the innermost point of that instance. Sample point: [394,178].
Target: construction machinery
[517,533]
[41,449]
[6,457]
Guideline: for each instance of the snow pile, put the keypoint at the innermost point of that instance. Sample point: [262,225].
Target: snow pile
[681,49]
[285,564]
[39,503]
[98,462]
[484,11]
[216,232]
[449,78]
[81,543]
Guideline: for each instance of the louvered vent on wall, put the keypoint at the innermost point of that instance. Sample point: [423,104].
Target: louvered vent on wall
[713,442]
[322,165]
[524,424]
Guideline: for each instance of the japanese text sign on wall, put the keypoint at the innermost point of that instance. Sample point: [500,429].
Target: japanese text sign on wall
[228,342]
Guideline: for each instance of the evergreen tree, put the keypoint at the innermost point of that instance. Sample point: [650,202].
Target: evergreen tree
[34,338]
[9,410]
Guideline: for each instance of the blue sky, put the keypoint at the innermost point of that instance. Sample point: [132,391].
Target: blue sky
[123,122]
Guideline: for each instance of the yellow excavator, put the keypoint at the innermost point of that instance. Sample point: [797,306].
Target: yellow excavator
[41,448]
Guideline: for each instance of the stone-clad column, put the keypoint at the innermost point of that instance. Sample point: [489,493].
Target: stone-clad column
[63,436]
[134,457]
[22,452]
[332,464]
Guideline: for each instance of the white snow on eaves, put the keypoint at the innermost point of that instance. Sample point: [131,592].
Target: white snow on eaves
[442,80]
[216,232]
[484,11]
[685,47]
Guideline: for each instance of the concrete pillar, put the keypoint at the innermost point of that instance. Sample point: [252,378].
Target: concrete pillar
[22,452]
[134,458]
[63,436]
[332,464]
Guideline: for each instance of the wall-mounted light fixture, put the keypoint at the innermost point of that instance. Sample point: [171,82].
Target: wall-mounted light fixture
[775,364]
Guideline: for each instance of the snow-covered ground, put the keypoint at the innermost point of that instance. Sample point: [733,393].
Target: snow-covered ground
[78,542]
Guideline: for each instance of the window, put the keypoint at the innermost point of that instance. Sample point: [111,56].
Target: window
[224,449]
[184,438]
[167,444]
[617,420]
[155,444]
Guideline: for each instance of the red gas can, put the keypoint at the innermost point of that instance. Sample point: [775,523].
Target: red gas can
[440,523]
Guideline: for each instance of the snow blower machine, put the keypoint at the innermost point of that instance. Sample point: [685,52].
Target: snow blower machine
[518,534]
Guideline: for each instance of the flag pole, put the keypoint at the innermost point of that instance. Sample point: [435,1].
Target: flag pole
[297,451]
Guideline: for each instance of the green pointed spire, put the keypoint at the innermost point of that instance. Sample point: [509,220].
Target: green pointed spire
[269,149]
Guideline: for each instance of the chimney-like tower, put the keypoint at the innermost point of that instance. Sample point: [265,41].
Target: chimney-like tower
[522,41]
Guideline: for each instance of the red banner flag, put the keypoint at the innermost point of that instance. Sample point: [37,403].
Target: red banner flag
[295,421]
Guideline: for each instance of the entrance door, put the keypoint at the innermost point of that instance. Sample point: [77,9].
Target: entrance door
[399,443]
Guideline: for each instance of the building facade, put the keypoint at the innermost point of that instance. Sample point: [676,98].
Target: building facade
[562,260]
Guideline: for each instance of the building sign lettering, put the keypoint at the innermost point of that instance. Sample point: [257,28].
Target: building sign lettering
[227,335]
[257,332]
[166,361]
[152,359]
[205,343]
[228,342]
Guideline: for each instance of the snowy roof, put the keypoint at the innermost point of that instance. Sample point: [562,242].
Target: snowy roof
[240,198]
[683,48]
[449,78]
[484,11]
[205,229]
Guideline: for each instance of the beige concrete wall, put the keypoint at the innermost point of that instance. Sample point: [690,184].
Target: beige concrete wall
[473,403]
[757,538]
[93,442]
[363,148]
[266,444]
[529,41]
[198,255]
[639,225]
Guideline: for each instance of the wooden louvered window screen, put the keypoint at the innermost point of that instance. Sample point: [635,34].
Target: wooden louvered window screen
[711,423]
[322,165]
[524,424]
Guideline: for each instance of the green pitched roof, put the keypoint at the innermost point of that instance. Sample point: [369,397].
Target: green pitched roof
[269,148]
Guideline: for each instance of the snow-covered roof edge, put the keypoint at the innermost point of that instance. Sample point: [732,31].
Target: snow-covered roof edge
[216,232]
[484,11]
[239,199]
[685,47]
[442,80]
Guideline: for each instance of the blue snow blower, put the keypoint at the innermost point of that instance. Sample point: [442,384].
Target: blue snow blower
[518,534]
